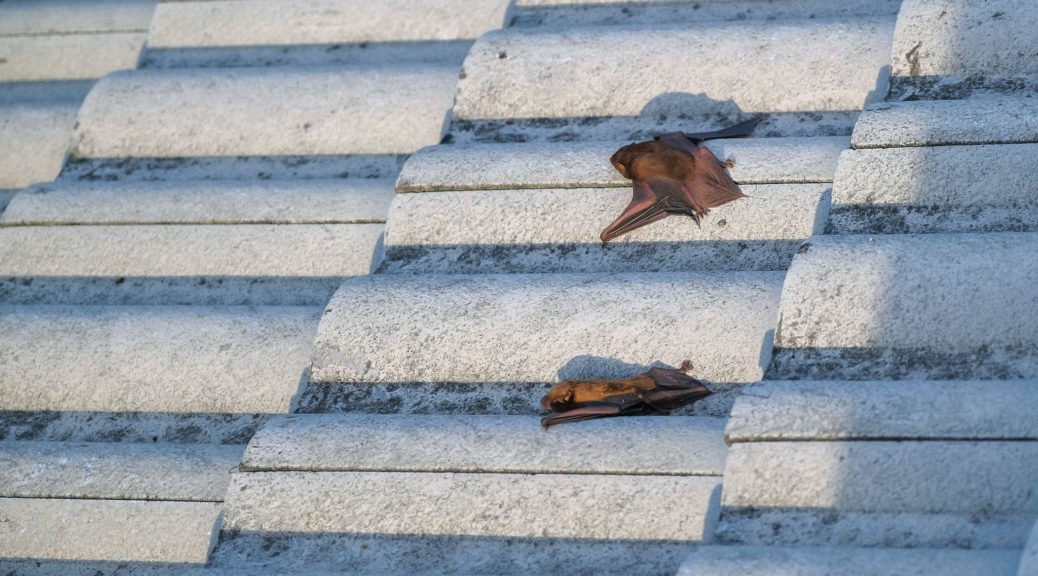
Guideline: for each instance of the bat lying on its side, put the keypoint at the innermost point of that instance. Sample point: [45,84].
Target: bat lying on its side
[657,391]
[674,174]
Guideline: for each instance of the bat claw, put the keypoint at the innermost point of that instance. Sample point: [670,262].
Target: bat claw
[686,366]
[729,163]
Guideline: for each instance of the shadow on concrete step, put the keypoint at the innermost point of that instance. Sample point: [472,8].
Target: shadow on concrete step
[445,554]
[683,256]
[417,52]
[860,363]
[147,427]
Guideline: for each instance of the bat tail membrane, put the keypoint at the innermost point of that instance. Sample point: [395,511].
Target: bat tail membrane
[669,379]
[740,130]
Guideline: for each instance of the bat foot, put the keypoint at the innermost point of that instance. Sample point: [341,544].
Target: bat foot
[729,163]
[686,366]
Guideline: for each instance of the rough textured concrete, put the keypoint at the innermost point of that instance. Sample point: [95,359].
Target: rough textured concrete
[988,477]
[586,164]
[939,189]
[515,505]
[764,68]
[188,250]
[964,37]
[558,231]
[930,292]
[34,139]
[153,358]
[259,111]
[277,22]
[595,12]
[107,530]
[204,202]
[775,561]
[68,56]
[893,410]
[69,16]
[117,471]
[991,120]
[540,328]
[503,444]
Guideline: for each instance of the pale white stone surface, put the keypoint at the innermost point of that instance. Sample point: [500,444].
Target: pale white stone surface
[807,65]
[989,120]
[204,202]
[67,56]
[965,37]
[298,250]
[936,477]
[276,22]
[153,358]
[776,410]
[504,505]
[773,211]
[539,328]
[502,444]
[586,164]
[65,16]
[944,176]
[942,292]
[117,471]
[107,530]
[266,111]
[34,139]
[830,561]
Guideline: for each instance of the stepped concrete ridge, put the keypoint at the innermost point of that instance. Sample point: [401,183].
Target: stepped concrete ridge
[282,283]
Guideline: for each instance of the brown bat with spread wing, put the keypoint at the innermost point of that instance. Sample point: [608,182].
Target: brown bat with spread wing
[657,391]
[674,174]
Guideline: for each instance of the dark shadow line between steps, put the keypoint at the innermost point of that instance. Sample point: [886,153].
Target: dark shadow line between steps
[889,363]
[592,256]
[130,426]
[929,219]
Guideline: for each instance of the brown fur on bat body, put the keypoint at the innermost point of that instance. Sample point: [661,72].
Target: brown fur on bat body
[655,392]
[674,174]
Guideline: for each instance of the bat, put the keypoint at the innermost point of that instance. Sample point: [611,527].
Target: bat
[657,391]
[674,174]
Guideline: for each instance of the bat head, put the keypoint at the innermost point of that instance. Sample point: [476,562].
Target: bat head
[621,160]
[560,397]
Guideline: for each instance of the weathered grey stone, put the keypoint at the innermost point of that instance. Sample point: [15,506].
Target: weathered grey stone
[933,292]
[1029,558]
[278,22]
[825,561]
[557,230]
[939,189]
[204,202]
[188,250]
[985,410]
[260,111]
[593,12]
[961,38]
[988,477]
[34,139]
[503,444]
[69,16]
[68,56]
[45,528]
[807,65]
[586,164]
[153,358]
[991,120]
[117,471]
[505,505]
[539,328]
